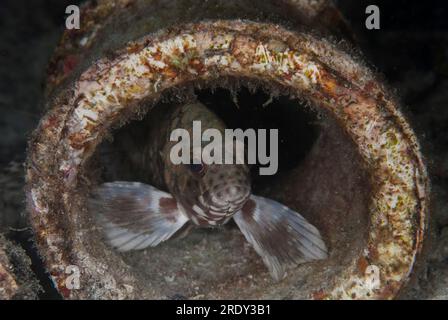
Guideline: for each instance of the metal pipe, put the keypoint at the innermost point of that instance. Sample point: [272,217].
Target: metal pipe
[130,52]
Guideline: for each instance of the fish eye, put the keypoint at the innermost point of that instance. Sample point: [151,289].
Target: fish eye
[197,167]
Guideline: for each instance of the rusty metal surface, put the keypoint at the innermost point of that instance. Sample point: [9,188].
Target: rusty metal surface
[8,285]
[17,281]
[314,68]
[126,21]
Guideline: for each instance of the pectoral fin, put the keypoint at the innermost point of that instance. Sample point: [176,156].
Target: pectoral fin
[135,215]
[279,235]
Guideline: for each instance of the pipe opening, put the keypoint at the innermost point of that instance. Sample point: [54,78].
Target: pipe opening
[320,175]
[361,207]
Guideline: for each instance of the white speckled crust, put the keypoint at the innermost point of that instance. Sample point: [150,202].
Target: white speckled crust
[339,84]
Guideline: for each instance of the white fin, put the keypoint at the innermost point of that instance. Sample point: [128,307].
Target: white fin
[135,215]
[279,235]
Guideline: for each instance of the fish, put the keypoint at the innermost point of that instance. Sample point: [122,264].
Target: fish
[135,215]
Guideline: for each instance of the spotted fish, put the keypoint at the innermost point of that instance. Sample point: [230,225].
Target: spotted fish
[135,215]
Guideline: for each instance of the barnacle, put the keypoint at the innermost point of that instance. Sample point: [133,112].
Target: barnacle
[131,53]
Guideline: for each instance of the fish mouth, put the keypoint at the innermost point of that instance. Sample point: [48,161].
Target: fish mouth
[217,206]
[227,210]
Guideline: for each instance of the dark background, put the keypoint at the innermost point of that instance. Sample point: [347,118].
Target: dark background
[410,50]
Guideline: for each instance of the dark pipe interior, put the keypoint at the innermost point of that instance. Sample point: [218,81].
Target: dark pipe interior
[244,108]
[257,109]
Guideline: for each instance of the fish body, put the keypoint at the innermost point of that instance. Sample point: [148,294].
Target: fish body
[136,215]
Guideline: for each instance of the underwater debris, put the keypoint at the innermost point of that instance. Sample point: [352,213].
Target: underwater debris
[105,90]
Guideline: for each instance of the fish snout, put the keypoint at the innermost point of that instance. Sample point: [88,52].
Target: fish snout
[228,197]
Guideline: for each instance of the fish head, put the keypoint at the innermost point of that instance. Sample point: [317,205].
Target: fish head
[214,192]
